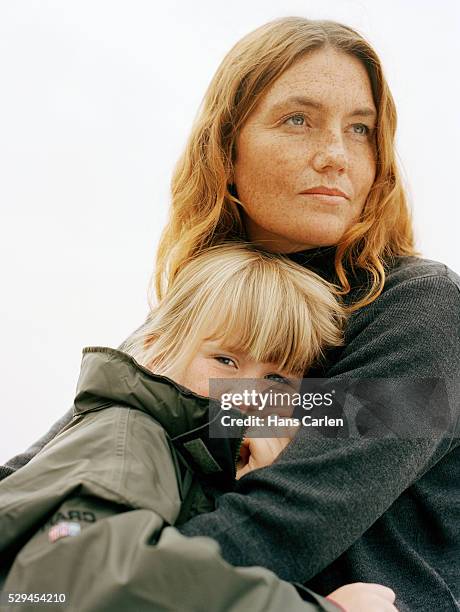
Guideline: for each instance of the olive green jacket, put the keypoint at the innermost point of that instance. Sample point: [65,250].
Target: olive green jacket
[91,517]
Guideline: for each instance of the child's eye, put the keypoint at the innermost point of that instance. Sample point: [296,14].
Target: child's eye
[225,360]
[278,378]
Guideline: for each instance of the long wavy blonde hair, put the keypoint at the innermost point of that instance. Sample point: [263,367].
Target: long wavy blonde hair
[204,209]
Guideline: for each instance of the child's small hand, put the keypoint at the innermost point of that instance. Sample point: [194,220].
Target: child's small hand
[364,597]
[259,452]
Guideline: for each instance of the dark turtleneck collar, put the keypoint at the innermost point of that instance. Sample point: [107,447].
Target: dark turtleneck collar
[319,260]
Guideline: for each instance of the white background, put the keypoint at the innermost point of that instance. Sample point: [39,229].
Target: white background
[96,101]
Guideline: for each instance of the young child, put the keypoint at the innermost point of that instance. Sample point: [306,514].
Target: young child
[87,524]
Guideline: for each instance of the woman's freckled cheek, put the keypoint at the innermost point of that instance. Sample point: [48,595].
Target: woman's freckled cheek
[270,161]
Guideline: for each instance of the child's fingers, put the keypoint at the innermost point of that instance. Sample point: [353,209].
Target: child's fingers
[383,591]
[264,451]
[363,597]
[245,452]
[283,441]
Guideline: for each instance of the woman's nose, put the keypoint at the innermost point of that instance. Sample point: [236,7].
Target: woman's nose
[330,153]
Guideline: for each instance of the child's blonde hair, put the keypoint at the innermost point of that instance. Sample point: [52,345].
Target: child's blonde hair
[260,303]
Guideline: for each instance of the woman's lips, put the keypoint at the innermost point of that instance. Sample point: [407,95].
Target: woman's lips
[327,199]
[323,189]
[328,195]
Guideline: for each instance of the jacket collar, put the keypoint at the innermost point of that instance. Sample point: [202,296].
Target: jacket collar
[111,377]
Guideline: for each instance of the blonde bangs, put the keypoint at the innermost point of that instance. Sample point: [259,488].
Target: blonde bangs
[259,303]
[276,312]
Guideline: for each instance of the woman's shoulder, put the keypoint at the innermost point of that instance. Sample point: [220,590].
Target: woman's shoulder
[409,279]
[416,291]
[412,326]
[412,270]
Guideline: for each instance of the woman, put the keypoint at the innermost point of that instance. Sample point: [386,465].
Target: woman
[294,150]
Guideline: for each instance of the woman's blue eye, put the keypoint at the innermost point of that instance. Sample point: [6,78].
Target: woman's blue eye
[295,117]
[365,128]
[361,129]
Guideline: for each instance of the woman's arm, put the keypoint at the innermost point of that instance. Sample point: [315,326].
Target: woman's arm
[301,513]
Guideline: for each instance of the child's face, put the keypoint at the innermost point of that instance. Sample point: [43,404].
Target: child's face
[212,360]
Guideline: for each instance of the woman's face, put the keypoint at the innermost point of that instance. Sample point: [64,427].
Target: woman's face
[313,128]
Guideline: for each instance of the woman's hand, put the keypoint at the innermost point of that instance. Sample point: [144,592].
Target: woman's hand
[364,597]
[258,452]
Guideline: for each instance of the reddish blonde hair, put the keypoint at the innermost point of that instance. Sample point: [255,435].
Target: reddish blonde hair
[204,211]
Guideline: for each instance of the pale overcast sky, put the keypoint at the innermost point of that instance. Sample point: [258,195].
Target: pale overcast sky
[97,98]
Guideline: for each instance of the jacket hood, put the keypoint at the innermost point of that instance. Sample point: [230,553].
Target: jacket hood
[111,377]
